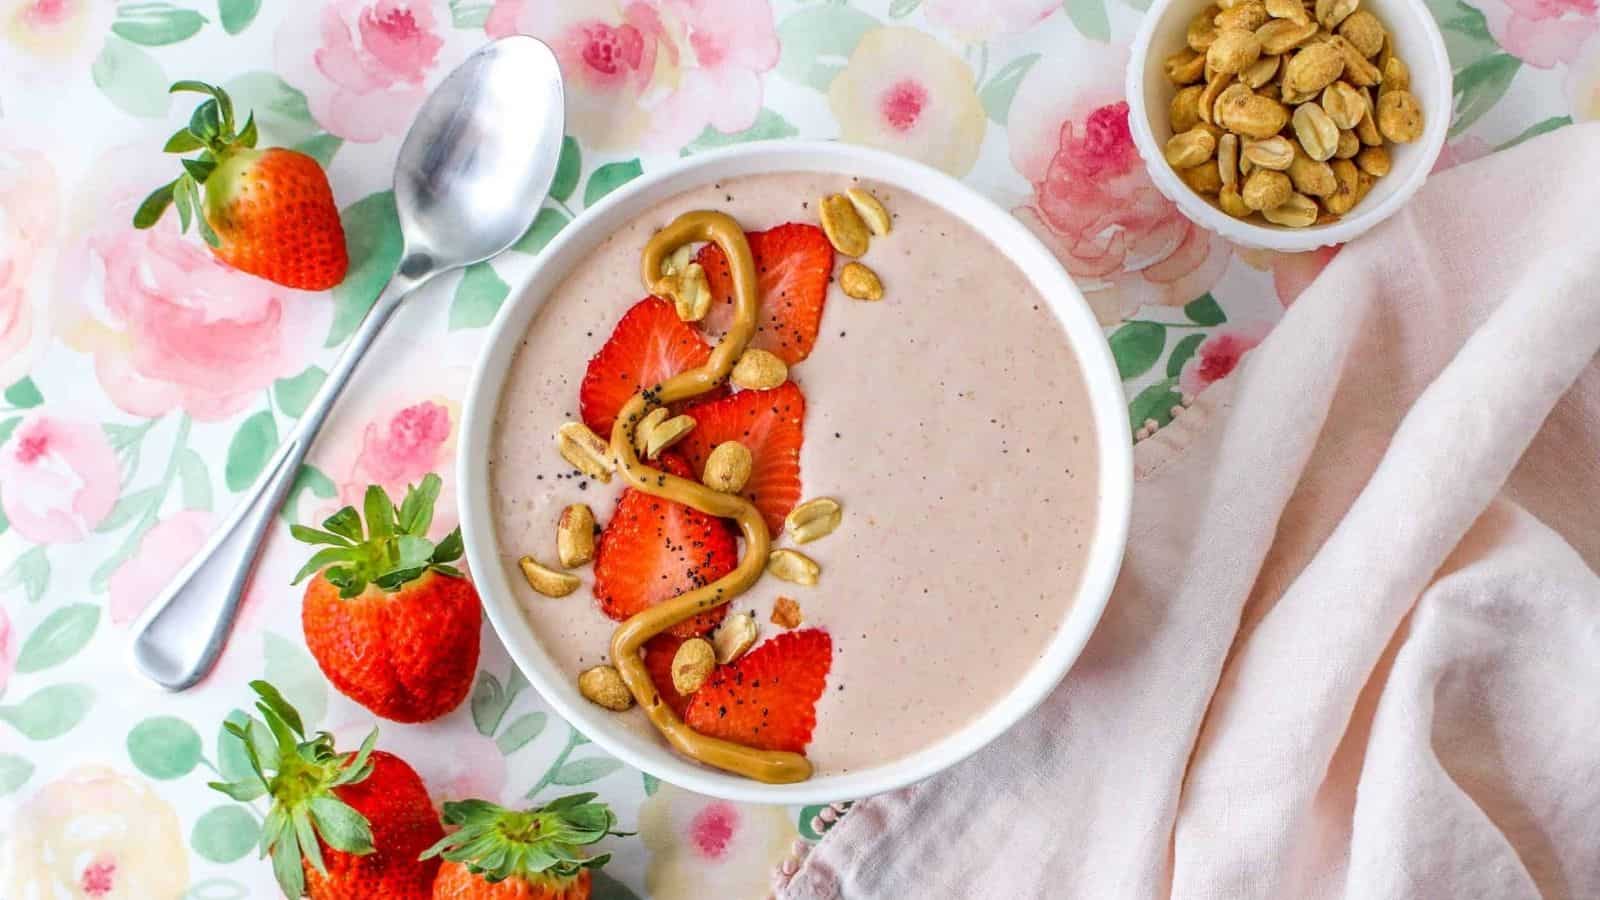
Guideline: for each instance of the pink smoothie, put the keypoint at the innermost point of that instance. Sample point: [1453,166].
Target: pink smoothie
[951,422]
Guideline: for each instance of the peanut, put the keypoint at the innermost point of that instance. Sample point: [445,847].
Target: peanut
[575,536]
[603,686]
[692,665]
[860,282]
[759,370]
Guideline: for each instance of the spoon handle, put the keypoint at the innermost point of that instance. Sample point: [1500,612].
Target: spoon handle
[179,638]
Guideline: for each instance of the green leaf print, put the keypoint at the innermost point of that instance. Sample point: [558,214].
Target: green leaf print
[651,784]
[545,226]
[817,41]
[128,507]
[217,889]
[568,169]
[24,394]
[294,394]
[194,480]
[1480,86]
[768,126]
[1182,353]
[520,732]
[1466,32]
[32,571]
[14,772]
[131,79]
[282,115]
[248,452]
[608,178]
[224,834]
[583,771]
[292,669]
[805,818]
[7,427]
[997,95]
[1090,18]
[372,234]
[55,640]
[1154,402]
[470,13]
[490,701]
[1532,131]
[49,712]
[164,747]
[899,9]
[236,15]
[320,147]
[156,24]
[1204,310]
[309,478]
[478,297]
[1136,346]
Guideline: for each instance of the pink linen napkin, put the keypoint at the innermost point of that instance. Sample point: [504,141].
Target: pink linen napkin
[1355,648]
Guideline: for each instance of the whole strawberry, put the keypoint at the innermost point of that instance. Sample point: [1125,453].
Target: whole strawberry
[521,855]
[268,212]
[342,825]
[393,625]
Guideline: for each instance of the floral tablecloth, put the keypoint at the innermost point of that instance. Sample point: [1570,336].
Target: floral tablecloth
[145,384]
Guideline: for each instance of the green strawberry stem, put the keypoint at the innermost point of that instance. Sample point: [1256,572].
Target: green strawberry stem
[210,130]
[303,774]
[392,550]
[498,843]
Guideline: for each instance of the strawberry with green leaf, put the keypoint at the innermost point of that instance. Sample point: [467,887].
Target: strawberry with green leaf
[342,825]
[393,624]
[535,854]
[268,212]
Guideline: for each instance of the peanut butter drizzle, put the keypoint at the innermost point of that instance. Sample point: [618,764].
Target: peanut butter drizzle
[771,766]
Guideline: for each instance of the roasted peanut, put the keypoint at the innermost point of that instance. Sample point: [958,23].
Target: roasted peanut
[1233,204]
[1310,176]
[1183,113]
[1374,161]
[546,580]
[1191,148]
[1358,70]
[641,432]
[1279,36]
[585,451]
[728,467]
[1234,50]
[1260,72]
[1364,32]
[1344,104]
[813,519]
[1275,152]
[603,686]
[1205,178]
[1299,211]
[1349,145]
[758,370]
[1399,116]
[870,209]
[1265,189]
[575,535]
[1185,67]
[1203,29]
[734,636]
[859,282]
[1228,160]
[1252,115]
[843,225]
[1293,10]
[1313,68]
[666,434]
[793,566]
[1330,13]
[1344,198]
[692,665]
[1247,14]
[1316,132]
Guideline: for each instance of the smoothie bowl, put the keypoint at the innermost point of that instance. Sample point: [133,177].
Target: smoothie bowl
[795,474]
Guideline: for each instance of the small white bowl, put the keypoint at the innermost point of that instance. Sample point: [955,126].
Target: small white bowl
[1082,338]
[1419,45]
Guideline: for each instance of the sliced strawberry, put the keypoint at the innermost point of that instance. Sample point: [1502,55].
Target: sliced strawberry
[794,263]
[653,550]
[658,654]
[649,345]
[767,698]
[768,424]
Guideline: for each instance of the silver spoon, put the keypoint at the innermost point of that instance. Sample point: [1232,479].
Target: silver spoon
[469,180]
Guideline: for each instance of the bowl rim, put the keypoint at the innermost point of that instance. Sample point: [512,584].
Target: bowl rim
[1272,237]
[1108,419]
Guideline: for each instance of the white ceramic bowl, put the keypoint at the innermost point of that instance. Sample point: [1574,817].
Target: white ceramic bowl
[1419,45]
[573,245]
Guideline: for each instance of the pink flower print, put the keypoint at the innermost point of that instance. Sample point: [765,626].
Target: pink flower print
[28,218]
[975,21]
[1093,202]
[905,92]
[704,847]
[163,550]
[651,73]
[1541,33]
[61,479]
[47,37]
[8,649]
[170,326]
[1218,355]
[1462,150]
[362,64]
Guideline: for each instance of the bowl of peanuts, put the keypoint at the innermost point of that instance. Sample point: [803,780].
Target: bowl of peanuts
[1289,124]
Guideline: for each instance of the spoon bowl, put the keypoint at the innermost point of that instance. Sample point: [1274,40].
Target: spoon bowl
[481,154]
[473,170]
